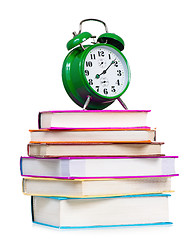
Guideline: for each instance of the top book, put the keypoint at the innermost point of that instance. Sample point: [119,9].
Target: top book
[92,119]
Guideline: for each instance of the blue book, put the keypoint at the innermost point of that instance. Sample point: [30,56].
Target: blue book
[129,210]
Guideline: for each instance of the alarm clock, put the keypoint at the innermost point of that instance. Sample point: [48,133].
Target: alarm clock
[95,75]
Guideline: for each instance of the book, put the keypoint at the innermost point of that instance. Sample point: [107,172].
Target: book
[92,118]
[93,149]
[136,210]
[104,135]
[98,167]
[95,187]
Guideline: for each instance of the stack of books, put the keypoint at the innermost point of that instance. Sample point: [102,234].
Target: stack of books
[97,169]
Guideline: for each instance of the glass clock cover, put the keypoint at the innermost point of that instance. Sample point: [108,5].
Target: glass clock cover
[106,71]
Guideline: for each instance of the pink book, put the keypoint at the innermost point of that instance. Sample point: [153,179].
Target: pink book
[93,119]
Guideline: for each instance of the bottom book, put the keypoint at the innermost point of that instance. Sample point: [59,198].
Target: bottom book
[130,210]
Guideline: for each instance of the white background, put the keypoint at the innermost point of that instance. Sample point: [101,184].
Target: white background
[160,47]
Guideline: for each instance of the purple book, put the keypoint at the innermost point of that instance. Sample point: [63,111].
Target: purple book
[98,167]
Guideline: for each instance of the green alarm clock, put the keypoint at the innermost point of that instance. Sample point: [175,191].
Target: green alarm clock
[97,74]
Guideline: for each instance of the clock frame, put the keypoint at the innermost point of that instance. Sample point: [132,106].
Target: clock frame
[76,83]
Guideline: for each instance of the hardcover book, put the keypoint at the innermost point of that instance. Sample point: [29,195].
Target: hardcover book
[95,187]
[94,149]
[98,167]
[136,210]
[103,135]
[93,119]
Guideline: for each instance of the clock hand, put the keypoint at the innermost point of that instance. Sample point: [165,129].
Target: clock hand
[109,66]
[104,71]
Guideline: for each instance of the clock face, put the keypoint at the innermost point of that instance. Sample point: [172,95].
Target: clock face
[106,71]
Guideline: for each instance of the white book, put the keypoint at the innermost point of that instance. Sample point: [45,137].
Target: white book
[101,212]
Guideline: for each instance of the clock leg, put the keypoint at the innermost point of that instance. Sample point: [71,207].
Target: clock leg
[87,102]
[122,103]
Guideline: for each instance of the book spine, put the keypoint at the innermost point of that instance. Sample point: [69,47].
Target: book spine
[155,135]
[39,120]
[21,171]
[28,150]
[23,183]
[32,208]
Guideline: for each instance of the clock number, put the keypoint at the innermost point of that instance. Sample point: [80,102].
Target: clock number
[105,91]
[86,73]
[116,64]
[92,56]
[101,53]
[97,88]
[90,81]
[89,64]
[118,82]
[109,56]
[113,89]
[119,73]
